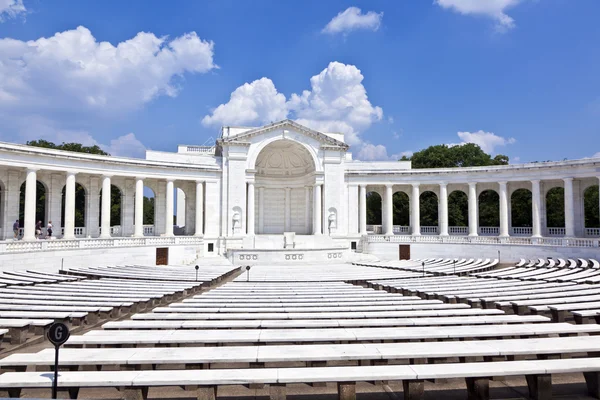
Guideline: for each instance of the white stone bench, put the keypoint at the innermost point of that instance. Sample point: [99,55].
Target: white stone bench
[321,323]
[75,317]
[581,315]
[309,335]
[325,315]
[582,297]
[307,353]
[135,384]
[18,328]
[420,305]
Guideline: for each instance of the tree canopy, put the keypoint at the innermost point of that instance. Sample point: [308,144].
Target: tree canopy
[76,147]
[464,155]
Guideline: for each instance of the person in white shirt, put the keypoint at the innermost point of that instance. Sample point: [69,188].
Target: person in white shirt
[49,230]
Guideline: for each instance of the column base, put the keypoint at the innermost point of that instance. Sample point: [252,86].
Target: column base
[444,234]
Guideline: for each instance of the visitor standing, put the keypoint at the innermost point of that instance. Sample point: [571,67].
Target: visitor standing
[16,229]
[38,229]
[49,230]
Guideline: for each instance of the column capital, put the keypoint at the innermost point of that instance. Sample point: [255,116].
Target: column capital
[199,181]
[140,178]
[535,181]
[444,184]
[364,185]
[318,184]
[389,185]
[416,185]
[503,183]
[32,169]
[71,173]
[170,180]
[472,184]
[568,179]
[107,176]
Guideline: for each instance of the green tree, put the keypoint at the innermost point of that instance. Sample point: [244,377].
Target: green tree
[148,210]
[373,208]
[465,155]
[590,200]
[76,147]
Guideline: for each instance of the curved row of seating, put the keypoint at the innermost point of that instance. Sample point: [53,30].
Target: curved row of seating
[178,273]
[438,266]
[549,270]
[307,331]
[559,262]
[26,311]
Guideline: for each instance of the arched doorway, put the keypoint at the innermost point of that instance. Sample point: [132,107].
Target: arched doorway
[521,214]
[283,195]
[555,211]
[489,212]
[591,211]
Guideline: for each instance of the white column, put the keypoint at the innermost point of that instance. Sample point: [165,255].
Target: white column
[317,223]
[415,205]
[139,207]
[105,222]
[388,213]
[261,211]
[180,199]
[569,208]
[30,205]
[473,223]
[169,208]
[199,208]
[503,232]
[288,210]
[307,209]
[70,206]
[362,200]
[443,210]
[536,206]
[250,211]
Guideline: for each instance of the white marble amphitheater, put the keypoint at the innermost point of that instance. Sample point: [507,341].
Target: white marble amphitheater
[260,191]
[260,277]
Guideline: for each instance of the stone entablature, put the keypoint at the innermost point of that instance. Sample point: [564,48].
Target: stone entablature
[282,177]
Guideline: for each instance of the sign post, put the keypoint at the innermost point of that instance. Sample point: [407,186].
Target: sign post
[58,334]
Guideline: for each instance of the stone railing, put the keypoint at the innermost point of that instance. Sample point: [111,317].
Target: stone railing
[592,232]
[545,241]
[521,231]
[458,230]
[555,231]
[489,230]
[61,244]
[401,229]
[428,230]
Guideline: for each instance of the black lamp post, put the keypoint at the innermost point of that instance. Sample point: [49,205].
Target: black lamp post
[454,262]
[196,268]
[423,264]
[247,273]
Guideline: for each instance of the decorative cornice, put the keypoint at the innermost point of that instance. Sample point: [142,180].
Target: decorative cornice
[321,137]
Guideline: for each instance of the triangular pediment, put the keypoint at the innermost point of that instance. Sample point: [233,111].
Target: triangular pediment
[285,124]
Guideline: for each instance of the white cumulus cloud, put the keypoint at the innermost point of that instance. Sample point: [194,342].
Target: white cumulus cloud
[256,103]
[597,155]
[72,70]
[495,9]
[488,141]
[125,146]
[11,8]
[336,102]
[352,19]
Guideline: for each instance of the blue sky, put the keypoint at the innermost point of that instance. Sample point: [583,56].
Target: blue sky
[519,77]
